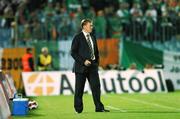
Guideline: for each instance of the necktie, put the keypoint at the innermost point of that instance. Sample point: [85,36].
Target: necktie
[90,47]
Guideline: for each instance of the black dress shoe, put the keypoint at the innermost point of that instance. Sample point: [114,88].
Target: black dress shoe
[104,110]
[78,111]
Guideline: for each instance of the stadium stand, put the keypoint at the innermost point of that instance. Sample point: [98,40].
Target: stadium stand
[57,20]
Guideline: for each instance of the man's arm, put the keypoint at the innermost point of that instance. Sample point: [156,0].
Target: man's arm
[97,53]
[31,63]
[74,51]
[97,50]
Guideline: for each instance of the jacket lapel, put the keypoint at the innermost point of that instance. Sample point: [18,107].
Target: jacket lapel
[85,41]
[94,42]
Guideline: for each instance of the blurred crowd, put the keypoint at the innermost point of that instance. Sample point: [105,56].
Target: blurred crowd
[60,19]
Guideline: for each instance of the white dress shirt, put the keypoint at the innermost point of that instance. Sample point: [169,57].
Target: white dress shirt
[85,34]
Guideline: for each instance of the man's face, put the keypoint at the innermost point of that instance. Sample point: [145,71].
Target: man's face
[88,27]
[45,53]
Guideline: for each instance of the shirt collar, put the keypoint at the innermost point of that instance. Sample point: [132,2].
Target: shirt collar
[85,33]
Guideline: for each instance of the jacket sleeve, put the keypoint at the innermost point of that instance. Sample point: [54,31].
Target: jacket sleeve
[74,51]
[97,53]
[97,50]
[31,63]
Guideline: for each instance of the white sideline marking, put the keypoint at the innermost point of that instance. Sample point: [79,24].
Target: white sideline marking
[153,104]
[115,108]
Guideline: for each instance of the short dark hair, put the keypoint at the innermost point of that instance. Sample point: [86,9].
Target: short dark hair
[85,21]
[28,50]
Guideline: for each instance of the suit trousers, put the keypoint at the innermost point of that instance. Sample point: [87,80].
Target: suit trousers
[93,79]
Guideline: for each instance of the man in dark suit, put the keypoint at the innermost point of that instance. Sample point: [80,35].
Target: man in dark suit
[84,50]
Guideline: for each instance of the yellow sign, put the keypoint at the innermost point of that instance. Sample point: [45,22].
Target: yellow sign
[11,62]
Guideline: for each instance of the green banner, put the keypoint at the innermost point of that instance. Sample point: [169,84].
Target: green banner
[140,55]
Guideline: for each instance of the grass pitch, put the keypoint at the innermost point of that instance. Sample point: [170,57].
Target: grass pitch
[122,106]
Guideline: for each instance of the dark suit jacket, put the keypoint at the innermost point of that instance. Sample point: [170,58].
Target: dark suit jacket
[80,52]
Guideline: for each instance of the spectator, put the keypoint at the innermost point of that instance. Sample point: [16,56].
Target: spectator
[136,23]
[58,19]
[37,32]
[124,15]
[78,17]
[64,27]
[8,11]
[45,60]
[136,12]
[85,4]
[71,4]
[149,66]
[73,24]
[26,34]
[100,23]
[166,26]
[150,22]
[114,26]
[133,66]
[27,61]
[108,15]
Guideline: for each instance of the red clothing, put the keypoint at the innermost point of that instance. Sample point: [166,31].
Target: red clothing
[26,63]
